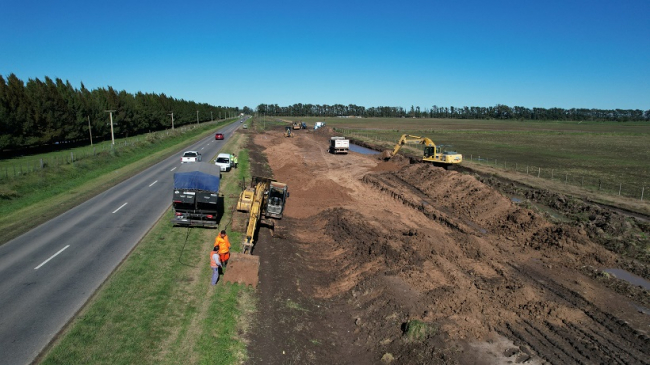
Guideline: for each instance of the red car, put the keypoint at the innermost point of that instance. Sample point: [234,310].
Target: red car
[218,136]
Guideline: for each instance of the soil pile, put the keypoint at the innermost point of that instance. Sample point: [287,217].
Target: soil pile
[410,263]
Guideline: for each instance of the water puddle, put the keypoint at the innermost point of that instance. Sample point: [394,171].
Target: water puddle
[362,150]
[629,277]
[515,200]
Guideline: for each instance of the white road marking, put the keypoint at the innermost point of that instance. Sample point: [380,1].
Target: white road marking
[115,211]
[173,168]
[152,184]
[53,256]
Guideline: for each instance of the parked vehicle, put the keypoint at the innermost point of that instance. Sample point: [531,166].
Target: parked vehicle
[223,161]
[339,145]
[218,136]
[196,200]
[191,156]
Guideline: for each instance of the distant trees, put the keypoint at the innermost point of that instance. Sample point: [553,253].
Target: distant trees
[44,112]
[498,111]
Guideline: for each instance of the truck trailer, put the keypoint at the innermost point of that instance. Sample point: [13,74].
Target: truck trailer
[195,199]
[339,145]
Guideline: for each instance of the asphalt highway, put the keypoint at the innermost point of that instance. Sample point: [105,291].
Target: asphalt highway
[48,273]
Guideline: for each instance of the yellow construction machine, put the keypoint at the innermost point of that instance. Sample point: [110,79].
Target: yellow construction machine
[432,153]
[288,132]
[296,125]
[265,198]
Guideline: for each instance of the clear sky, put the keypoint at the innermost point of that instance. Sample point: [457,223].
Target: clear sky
[583,54]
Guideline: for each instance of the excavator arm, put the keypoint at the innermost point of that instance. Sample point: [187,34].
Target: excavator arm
[410,139]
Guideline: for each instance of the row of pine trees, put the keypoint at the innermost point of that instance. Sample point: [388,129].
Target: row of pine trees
[49,112]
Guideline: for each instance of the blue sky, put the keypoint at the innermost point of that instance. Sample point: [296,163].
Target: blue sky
[583,54]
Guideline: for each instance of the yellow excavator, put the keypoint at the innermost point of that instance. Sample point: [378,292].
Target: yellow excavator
[287,132]
[432,153]
[265,198]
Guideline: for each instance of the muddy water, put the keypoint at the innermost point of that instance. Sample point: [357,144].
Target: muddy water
[629,277]
[362,150]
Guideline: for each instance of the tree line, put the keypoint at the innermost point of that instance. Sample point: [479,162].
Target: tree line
[50,112]
[493,112]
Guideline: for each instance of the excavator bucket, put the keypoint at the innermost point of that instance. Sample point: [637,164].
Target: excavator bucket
[386,154]
[245,200]
[242,269]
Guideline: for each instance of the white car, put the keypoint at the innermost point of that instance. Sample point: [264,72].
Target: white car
[223,161]
[191,156]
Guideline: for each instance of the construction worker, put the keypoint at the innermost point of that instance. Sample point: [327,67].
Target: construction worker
[215,263]
[234,160]
[223,245]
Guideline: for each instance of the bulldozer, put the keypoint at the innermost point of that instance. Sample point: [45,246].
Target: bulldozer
[432,153]
[265,198]
[288,132]
[296,125]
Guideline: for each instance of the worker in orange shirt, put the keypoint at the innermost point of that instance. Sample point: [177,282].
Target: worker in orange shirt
[224,248]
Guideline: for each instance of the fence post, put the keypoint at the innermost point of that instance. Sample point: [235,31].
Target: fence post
[539,171]
[619,189]
[71,157]
[642,189]
[599,184]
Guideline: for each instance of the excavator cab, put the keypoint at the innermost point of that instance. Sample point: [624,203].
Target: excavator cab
[278,195]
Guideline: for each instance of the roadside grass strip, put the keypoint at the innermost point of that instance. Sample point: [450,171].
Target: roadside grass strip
[158,307]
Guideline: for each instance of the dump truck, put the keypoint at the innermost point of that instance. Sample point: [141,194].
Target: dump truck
[264,198]
[195,198]
[339,145]
[431,153]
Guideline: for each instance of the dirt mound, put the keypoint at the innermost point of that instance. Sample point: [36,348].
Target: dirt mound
[415,264]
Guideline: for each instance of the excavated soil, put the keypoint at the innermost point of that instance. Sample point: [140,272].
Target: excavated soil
[408,263]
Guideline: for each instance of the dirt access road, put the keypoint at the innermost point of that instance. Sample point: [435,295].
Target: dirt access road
[391,262]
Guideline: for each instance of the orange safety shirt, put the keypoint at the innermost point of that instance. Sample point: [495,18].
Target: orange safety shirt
[223,243]
[213,262]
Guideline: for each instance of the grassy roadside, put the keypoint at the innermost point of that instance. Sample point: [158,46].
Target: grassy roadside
[33,199]
[159,307]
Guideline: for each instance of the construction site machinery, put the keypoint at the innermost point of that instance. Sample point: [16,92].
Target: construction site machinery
[265,198]
[432,153]
[303,125]
[296,125]
[339,145]
[288,132]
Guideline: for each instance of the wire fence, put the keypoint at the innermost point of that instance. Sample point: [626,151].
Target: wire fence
[606,186]
[24,167]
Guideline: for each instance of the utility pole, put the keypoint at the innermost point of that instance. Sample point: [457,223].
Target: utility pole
[90,131]
[172,114]
[197,117]
[111,115]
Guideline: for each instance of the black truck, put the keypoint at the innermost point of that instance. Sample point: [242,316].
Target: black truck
[196,200]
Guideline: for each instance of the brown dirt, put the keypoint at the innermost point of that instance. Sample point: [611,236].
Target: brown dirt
[380,262]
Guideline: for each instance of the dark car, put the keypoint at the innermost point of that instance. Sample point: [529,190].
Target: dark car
[218,136]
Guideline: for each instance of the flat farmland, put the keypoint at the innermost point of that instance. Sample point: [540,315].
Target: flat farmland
[612,156]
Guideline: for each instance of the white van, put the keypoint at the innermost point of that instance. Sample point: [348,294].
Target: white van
[223,161]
